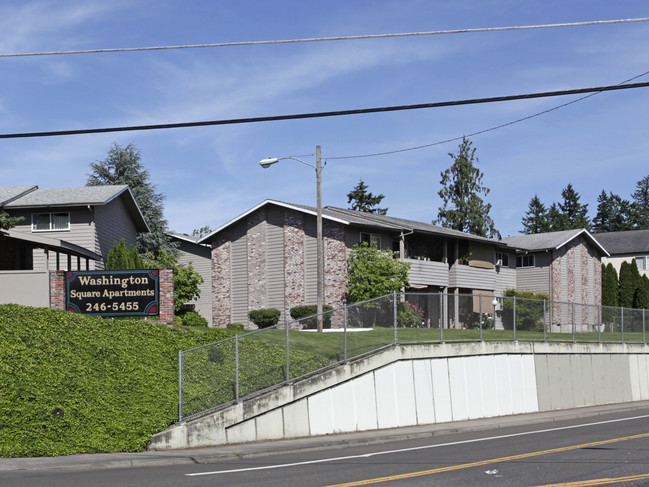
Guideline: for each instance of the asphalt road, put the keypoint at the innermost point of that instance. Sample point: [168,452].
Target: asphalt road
[598,446]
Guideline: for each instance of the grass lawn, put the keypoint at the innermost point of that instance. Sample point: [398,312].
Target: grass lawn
[331,345]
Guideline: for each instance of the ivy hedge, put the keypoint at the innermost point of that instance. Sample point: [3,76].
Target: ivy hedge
[80,384]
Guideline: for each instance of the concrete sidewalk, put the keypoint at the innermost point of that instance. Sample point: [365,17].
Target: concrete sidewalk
[258,449]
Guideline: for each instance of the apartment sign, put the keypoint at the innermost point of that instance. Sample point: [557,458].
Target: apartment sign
[113,293]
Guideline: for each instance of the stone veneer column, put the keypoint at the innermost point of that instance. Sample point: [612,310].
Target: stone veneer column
[335,253]
[257,275]
[166,295]
[221,282]
[293,260]
[57,289]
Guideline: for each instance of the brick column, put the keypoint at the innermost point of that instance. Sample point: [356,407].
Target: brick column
[166,296]
[57,289]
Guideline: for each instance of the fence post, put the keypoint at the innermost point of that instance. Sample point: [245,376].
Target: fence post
[236,368]
[643,329]
[622,324]
[441,317]
[514,324]
[599,324]
[180,385]
[545,335]
[345,331]
[572,313]
[480,309]
[394,311]
[288,354]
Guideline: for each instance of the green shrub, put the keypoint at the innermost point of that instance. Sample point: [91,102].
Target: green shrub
[529,310]
[115,382]
[409,315]
[310,311]
[235,326]
[265,317]
[192,318]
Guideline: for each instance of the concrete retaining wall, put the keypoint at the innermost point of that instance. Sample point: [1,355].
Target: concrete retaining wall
[416,385]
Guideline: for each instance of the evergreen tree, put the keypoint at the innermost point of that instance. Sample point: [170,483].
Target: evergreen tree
[556,219]
[641,204]
[463,208]
[119,257]
[641,297]
[609,285]
[7,222]
[123,166]
[363,201]
[575,214]
[536,217]
[629,283]
[613,214]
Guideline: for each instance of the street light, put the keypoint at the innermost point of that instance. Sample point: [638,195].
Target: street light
[266,163]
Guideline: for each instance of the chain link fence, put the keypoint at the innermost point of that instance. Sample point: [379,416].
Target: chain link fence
[247,364]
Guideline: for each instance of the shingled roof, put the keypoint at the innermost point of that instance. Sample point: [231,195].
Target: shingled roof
[369,220]
[21,197]
[628,242]
[550,241]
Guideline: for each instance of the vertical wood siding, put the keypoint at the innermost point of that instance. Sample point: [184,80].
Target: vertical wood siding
[201,260]
[275,261]
[112,223]
[310,261]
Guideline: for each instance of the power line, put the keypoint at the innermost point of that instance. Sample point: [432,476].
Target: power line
[483,131]
[327,39]
[358,111]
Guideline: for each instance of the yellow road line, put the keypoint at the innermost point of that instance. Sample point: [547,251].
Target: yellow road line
[487,462]
[586,483]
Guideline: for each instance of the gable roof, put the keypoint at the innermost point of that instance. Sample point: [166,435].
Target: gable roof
[627,242]
[10,193]
[537,242]
[358,218]
[36,197]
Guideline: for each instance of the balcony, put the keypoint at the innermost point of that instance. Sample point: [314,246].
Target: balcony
[428,273]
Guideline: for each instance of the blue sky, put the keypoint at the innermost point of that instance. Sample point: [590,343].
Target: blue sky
[211,174]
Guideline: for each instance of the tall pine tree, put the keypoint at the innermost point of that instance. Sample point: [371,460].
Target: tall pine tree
[463,207]
[574,214]
[364,201]
[536,217]
[613,214]
[641,204]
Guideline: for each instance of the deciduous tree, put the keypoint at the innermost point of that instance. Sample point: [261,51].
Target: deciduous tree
[373,273]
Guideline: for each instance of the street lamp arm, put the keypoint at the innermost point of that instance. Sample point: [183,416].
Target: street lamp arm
[266,163]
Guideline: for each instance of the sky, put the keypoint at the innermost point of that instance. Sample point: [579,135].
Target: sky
[210,175]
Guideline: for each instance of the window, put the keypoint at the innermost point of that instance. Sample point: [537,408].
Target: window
[371,238]
[502,258]
[642,263]
[45,222]
[525,261]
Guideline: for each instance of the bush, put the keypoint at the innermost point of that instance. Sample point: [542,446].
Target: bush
[235,326]
[529,310]
[265,317]
[83,384]
[409,315]
[192,318]
[310,312]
